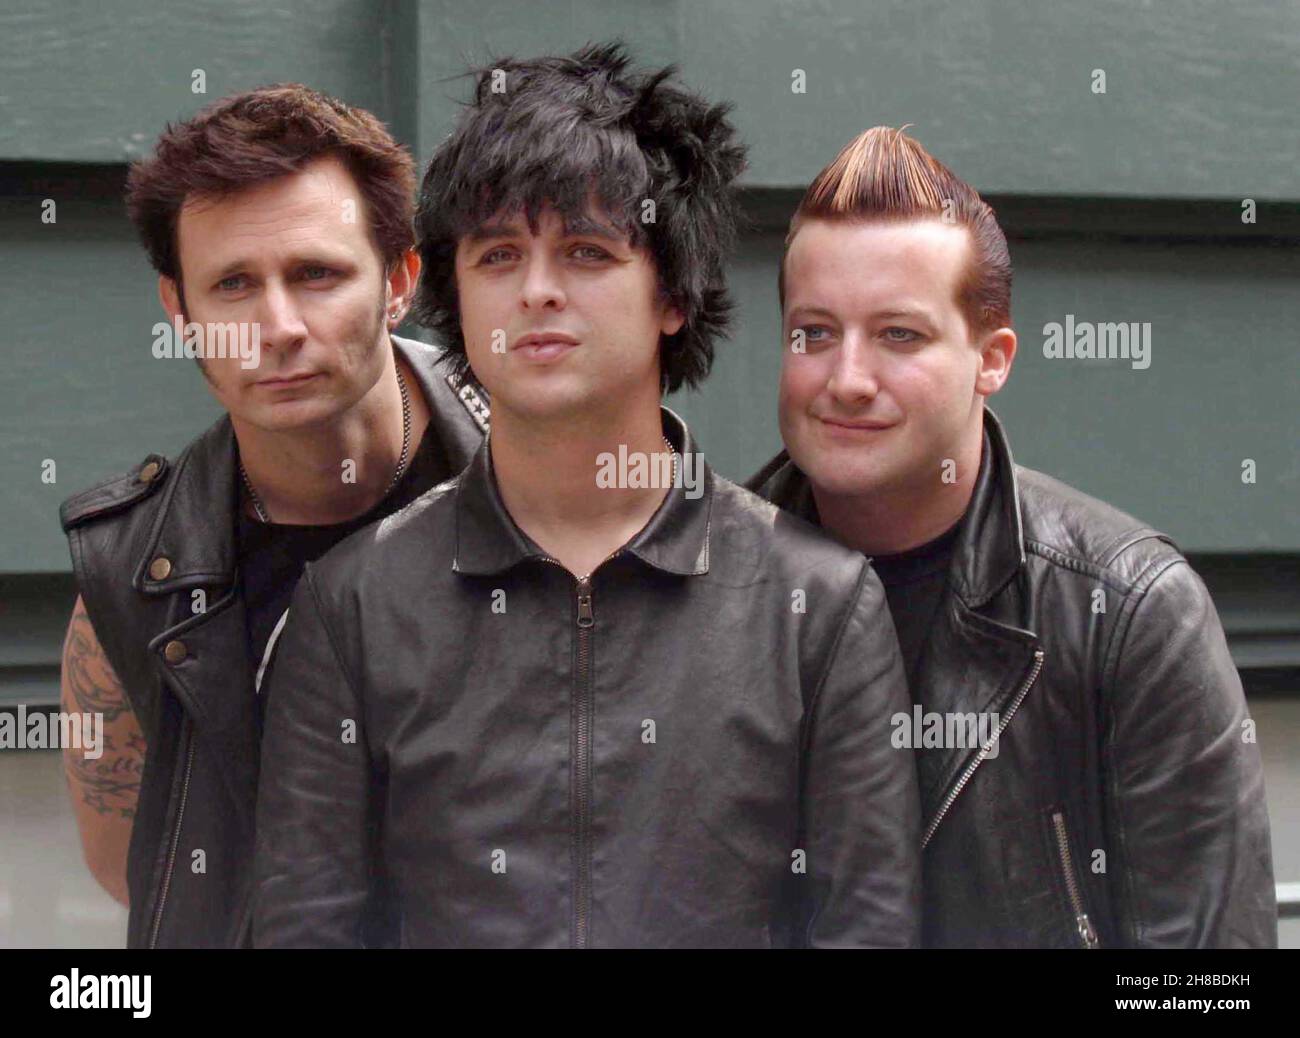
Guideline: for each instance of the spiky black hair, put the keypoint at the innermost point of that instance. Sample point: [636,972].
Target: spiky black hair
[564,129]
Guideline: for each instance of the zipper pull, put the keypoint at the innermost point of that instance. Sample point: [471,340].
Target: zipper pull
[1086,931]
[586,618]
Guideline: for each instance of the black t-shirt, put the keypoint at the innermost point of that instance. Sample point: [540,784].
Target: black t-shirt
[915,581]
[272,555]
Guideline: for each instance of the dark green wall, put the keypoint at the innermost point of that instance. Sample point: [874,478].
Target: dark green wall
[1200,97]
[1121,207]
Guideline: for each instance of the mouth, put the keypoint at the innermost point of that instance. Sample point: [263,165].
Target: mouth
[858,428]
[544,345]
[286,381]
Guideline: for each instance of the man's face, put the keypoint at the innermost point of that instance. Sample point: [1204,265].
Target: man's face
[891,382]
[561,321]
[295,256]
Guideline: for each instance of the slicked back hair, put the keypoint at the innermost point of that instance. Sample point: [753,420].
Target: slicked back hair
[885,175]
[561,132]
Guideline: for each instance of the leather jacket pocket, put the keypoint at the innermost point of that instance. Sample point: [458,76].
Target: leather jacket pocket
[1082,926]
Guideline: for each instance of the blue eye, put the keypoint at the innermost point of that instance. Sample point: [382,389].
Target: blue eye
[225,285]
[909,335]
[324,272]
[594,252]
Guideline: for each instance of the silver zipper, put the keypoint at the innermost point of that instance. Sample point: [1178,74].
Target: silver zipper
[582,770]
[581,850]
[1083,925]
[985,749]
[176,839]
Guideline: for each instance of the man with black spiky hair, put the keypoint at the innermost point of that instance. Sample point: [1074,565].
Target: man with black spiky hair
[610,698]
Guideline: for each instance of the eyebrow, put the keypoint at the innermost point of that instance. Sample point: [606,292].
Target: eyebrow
[810,311]
[917,313]
[238,266]
[583,225]
[818,311]
[575,226]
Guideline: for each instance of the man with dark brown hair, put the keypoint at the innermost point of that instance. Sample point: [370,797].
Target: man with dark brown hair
[1113,792]
[284,217]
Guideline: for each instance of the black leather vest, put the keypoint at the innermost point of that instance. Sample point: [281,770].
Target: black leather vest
[154,554]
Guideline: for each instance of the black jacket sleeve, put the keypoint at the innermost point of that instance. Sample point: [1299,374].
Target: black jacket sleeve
[315,810]
[861,806]
[1185,783]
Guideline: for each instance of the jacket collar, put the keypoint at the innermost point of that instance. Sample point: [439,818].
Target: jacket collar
[990,545]
[194,529]
[992,657]
[675,540]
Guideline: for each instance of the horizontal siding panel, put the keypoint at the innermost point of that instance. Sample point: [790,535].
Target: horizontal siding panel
[90,82]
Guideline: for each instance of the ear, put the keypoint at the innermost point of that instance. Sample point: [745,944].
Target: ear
[402,279]
[170,297]
[673,320]
[997,353]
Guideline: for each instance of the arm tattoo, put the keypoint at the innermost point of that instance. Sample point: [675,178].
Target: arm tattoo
[111,784]
[89,675]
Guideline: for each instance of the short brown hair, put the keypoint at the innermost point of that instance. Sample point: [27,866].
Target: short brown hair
[883,174]
[257,136]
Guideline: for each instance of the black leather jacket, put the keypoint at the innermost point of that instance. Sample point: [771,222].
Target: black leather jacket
[195,701]
[689,748]
[1124,805]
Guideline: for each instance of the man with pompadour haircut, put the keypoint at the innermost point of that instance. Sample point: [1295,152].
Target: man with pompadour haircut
[590,693]
[1101,786]
[285,215]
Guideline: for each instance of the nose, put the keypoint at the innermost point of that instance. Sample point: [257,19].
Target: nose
[542,287]
[854,378]
[278,313]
